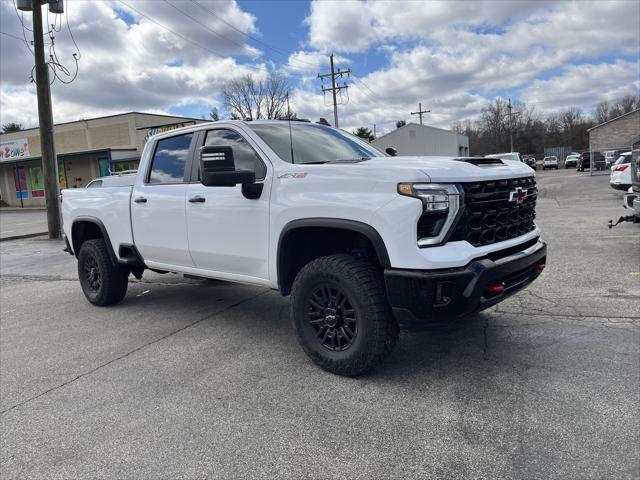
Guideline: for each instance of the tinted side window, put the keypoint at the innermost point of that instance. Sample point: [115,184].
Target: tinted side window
[169,159]
[244,155]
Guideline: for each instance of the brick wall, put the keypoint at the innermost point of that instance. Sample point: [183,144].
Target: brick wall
[617,133]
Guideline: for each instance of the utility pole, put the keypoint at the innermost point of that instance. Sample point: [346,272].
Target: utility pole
[45,116]
[334,89]
[510,114]
[420,112]
[374,130]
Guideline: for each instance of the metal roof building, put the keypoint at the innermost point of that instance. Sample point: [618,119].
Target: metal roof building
[413,139]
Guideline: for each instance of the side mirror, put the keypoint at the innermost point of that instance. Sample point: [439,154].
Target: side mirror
[218,169]
[391,151]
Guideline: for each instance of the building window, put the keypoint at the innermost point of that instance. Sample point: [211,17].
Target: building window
[169,159]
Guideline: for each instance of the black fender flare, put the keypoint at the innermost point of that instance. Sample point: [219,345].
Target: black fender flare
[339,224]
[103,230]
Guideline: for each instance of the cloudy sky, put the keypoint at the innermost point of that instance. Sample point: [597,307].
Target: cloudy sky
[454,57]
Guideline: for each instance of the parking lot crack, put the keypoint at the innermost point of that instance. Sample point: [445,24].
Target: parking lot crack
[485,334]
[125,355]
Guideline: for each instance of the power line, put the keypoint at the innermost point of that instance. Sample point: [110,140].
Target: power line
[271,47]
[334,88]
[510,115]
[12,36]
[206,27]
[420,112]
[193,42]
[218,54]
[257,40]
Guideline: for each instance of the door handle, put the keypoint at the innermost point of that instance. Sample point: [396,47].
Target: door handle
[140,200]
[197,199]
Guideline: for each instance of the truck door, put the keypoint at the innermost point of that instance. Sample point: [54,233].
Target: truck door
[158,204]
[227,231]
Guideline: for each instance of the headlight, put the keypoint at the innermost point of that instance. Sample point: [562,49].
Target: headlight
[441,204]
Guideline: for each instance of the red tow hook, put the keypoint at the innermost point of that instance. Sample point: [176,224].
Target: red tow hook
[540,266]
[495,288]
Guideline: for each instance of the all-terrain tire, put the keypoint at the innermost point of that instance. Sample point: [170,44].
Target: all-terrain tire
[364,312]
[103,282]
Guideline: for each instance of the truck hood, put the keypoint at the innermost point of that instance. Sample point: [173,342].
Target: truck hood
[446,169]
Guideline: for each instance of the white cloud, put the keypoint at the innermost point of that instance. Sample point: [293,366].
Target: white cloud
[130,67]
[311,63]
[584,84]
[352,26]
[453,56]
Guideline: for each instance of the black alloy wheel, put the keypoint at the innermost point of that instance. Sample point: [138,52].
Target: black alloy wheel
[92,274]
[103,281]
[341,315]
[332,316]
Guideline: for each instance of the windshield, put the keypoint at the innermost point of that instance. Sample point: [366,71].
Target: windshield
[313,143]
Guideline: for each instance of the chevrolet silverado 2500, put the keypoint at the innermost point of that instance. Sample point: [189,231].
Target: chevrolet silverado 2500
[364,243]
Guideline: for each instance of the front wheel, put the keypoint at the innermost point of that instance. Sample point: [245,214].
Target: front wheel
[103,282]
[341,316]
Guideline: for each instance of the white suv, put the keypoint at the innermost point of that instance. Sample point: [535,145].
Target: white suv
[571,160]
[621,172]
[550,162]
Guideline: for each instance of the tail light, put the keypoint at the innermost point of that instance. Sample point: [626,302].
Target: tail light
[495,288]
[620,168]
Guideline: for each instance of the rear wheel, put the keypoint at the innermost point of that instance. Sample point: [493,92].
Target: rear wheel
[341,316]
[103,283]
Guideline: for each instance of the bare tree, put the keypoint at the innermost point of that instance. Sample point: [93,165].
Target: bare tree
[602,111]
[248,98]
[493,122]
[276,100]
[214,115]
[623,105]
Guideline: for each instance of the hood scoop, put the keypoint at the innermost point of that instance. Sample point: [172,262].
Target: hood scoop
[480,161]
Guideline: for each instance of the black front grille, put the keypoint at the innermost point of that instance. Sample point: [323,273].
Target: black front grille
[488,215]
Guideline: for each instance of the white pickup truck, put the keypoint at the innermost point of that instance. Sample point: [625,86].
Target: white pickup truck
[366,243]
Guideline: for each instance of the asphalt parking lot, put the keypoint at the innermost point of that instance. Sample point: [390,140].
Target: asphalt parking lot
[191,379]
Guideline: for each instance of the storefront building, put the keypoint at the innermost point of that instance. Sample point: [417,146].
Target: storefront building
[86,149]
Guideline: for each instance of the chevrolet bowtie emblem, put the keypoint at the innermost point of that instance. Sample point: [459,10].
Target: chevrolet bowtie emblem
[518,195]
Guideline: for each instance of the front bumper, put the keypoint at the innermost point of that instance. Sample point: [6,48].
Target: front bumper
[421,298]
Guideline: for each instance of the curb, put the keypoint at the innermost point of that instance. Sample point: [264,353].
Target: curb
[25,209]
[26,235]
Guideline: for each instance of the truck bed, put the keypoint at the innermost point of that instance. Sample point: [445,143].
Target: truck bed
[110,206]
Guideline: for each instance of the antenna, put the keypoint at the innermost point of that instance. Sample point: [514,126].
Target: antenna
[290,134]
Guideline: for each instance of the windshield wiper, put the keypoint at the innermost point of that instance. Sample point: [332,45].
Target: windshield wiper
[351,160]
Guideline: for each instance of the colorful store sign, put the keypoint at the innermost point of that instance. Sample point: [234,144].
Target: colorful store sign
[36,181]
[21,182]
[62,178]
[14,149]
[165,128]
